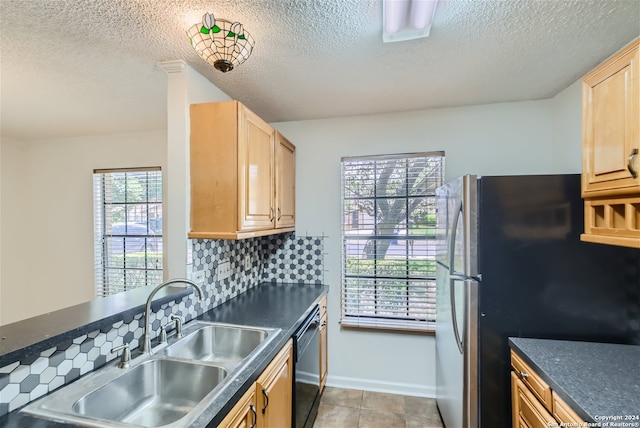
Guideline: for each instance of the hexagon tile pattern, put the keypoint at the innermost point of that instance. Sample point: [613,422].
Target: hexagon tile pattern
[279,258]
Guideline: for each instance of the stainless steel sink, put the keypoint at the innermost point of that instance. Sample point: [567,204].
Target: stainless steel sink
[153,394]
[218,343]
[170,387]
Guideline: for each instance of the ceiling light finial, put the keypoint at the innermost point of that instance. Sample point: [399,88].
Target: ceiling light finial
[223,44]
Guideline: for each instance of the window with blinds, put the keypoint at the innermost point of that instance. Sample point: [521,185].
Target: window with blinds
[388,240]
[127,229]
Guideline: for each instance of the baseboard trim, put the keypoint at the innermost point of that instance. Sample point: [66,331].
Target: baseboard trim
[411,389]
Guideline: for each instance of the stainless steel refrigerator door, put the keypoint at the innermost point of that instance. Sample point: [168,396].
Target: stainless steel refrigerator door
[457,372]
[471,372]
[458,213]
[456,304]
[449,359]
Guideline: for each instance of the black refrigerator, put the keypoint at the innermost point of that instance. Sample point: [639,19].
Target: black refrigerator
[510,263]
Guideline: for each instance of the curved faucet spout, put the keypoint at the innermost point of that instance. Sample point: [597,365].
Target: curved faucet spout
[145,347]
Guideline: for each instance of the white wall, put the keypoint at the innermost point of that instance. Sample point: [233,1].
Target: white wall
[13,186]
[510,138]
[47,221]
[184,87]
[566,114]
[47,203]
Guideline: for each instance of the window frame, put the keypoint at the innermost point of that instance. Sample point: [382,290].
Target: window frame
[350,294]
[104,246]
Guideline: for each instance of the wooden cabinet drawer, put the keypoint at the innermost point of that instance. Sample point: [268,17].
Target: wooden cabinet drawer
[563,412]
[528,412]
[539,387]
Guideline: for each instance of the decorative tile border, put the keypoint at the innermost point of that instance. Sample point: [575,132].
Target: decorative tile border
[277,258]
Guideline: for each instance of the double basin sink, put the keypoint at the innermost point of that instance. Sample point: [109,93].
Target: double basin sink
[168,388]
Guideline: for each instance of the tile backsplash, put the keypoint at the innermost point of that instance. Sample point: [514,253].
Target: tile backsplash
[276,258]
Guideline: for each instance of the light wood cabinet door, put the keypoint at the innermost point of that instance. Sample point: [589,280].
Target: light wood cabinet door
[285,182]
[611,133]
[256,171]
[274,390]
[565,414]
[527,410]
[324,366]
[244,413]
[324,341]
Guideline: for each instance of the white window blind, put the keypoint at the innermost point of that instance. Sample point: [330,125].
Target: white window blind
[388,240]
[127,229]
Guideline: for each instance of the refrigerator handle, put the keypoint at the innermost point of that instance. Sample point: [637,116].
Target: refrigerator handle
[454,316]
[453,278]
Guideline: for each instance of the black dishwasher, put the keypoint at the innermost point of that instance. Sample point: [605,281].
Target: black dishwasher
[306,374]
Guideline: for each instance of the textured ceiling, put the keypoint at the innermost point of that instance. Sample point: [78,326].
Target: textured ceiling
[83,67]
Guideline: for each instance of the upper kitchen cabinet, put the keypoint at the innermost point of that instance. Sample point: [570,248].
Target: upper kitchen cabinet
[610,99]
[610,144]
[242,174]
[285,182]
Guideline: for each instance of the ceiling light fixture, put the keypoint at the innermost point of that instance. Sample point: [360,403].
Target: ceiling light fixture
[221,43]
[407,19]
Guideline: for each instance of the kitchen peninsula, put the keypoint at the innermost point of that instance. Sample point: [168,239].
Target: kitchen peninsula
[275,305]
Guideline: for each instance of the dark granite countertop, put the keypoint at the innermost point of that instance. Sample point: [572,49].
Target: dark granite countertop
[282,306]
[598,380]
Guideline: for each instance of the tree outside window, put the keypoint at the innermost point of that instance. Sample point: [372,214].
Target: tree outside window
[388,272]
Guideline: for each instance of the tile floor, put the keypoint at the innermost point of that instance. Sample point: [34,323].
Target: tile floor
[348,408]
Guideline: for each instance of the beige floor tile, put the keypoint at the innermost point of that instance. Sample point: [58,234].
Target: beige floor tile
[376,419]
[420,406]
[336,417]
[414,421]
[383,402]
[342,397]
[348,408]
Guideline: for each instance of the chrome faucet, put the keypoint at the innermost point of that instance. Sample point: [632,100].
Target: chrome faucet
[146,339]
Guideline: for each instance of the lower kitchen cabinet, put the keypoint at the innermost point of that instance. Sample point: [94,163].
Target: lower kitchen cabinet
[534,404]
[322,331]
[564,414]
[528,412]
[244,413]
[274,389]
[269,402]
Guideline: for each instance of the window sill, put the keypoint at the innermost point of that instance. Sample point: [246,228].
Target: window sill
[389,325]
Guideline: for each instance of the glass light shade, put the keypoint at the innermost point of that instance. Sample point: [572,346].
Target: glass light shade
[221,43]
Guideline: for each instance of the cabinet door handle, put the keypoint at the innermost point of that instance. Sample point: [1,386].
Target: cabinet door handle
[266,400]
[255,415]
[279,214]
[524,374]
[272,214]
[632,170]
